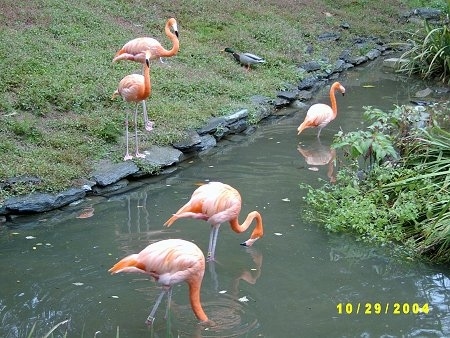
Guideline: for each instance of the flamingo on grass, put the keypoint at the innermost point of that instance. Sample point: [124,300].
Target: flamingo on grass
[320,114]
[217,203]
[134,50]
[135,88]
[169,262]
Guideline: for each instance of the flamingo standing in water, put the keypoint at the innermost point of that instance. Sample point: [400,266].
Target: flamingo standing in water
[134,50]
[216,203]
[169,262]
[135,88]
[320,114]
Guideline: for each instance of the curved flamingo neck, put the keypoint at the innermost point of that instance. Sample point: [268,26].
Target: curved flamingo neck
[194,298]
[175,42]
[333,100]
[257,232]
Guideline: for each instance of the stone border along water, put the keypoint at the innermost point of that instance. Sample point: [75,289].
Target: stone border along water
[114,177]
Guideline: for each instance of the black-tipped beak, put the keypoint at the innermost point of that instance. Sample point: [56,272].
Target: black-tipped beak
[243,244]
[176,33]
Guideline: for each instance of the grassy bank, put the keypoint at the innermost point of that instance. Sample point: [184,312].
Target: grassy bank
[56,114]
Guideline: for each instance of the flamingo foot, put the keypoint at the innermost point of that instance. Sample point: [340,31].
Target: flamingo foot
[140,155]
[148,125]
[210,257]
[149,320]
[127,157]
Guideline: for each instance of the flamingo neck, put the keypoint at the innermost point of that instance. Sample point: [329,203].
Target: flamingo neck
[257,232]
[333,101]
[194,298]
[175,42]
[147,83]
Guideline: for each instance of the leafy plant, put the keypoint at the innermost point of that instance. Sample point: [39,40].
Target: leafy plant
[407,201]
[429,54]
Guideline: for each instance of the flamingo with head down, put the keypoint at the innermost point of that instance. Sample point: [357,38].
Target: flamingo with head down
[216,203]
[170,262]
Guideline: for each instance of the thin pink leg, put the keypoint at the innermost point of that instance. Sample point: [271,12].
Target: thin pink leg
[147,123]
[138,154]
[127,155]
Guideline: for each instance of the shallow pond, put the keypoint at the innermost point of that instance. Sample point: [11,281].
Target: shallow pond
[297,281]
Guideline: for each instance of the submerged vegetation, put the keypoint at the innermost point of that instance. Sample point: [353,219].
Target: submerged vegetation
[394,186]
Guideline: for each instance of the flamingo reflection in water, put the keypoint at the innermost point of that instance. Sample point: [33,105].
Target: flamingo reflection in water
[317,154]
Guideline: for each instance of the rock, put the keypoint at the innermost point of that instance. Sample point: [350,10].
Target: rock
[189,143]
[311,66]
[241,114]
[423,93]
[394,63]
[373,54]
[428,13]
[329,36]
[208,142]
[110,173]
[212,125]
[103,190]
[308,82]
[162,156]
[40,202]
[289,95]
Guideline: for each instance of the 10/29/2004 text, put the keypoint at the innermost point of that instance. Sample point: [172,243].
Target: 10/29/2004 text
[396,308]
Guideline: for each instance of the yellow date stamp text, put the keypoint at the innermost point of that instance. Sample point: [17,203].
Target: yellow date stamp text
[395,308]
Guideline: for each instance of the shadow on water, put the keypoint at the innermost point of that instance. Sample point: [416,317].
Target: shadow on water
[297,281]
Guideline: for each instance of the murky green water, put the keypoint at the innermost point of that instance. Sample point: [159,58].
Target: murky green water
[297,281]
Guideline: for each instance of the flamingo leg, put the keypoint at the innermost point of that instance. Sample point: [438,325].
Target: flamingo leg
[169,300]
[151,317]
[136,134]
[127,155]
[212,242]
[147,123]
[318,134]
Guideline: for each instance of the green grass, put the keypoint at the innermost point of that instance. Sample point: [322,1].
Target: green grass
[56,114]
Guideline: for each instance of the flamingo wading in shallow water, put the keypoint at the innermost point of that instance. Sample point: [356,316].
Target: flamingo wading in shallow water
[134,50]
[320,114]
[169,262]
[135,88]
[216,203]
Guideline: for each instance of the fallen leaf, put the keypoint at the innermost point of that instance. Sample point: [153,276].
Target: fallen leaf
[243,299]
[223,291]
[368,86]
[86,213]
[78,283]
[30,237]
[313,168]
[278,234]
[286,199]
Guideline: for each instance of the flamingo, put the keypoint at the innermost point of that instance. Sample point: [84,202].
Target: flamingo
[169,262]
[135,88]
[320,114]
[216,203]
[134,50]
